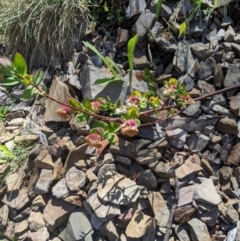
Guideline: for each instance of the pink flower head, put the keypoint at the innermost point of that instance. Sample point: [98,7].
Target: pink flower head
[133,100]
[95,106]
[170,90]
[129,128]
[64,111]
[94,140]
[188,100]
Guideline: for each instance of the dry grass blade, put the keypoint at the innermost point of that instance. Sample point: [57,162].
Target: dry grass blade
[44,31]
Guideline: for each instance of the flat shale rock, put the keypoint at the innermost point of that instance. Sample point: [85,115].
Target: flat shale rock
[139,225]
[159,208]
[118,189]
[234,157]
[60,92]
[227,125]
[177,137]
[41,235]
[56,212]
[102,210]
[183,59]
[75,179]
[79,226]
[36,221]
[187,169]
[206,193]
[189,124]
[199,231]
[16,200]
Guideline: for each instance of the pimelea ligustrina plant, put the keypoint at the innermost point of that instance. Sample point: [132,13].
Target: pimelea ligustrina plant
[110,119]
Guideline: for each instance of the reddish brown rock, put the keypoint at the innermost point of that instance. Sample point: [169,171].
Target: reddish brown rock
[234,157]
[184,214]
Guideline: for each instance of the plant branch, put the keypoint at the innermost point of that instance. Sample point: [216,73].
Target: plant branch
[161,120]
[100,117]
[149,112]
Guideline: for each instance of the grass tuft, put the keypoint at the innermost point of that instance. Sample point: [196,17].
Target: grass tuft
[44,31]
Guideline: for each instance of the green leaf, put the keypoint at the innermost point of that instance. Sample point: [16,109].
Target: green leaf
[108,80]
[20,64]
[5,152]
[138,122]
[158,9]
[101,124]
[113,139]
[11,81]
[130,50]
[27,80]
[75,103]
[105,60]
[133,112]
[182,29]
[119,71]
[81,117]
[6,66]
[118,103]
[113,127]
[87,104]
[28,92]
[37,78]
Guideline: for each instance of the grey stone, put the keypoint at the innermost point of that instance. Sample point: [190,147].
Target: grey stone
[201,50]
[148,133]
[144,22]
[44,181]
[165,44]
[90,74]
[36,221]
[221,34]
[122,37]
[102,210]
[59,91]
[147,179]
[188,81]
[237,38]
[117,189]
[218,76]
[165,11]
[226,21]
[196,28]
[177,137]
[199,231]
[156,31]
[60,189]
[236,47]
[140,60]
[182,233]
[41,235]
[229,34]
[123,147]
[183,59]
[56,212]
[233,76]
[218,108]
[206,193]
[123,159]
[210,217]
[135,7]
[4,211]
[163,169]
[79,227]
[204,71]
[197,142]
[193,110]
[104,169]
[16,200]
[75,179]
[109,229]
